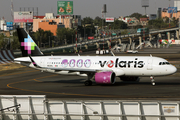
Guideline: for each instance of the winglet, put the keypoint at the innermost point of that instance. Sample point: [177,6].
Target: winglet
[34,63]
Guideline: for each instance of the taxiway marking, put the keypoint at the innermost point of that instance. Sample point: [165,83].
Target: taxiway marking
[45,92]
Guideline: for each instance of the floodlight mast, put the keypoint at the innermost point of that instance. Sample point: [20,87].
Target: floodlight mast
[145,3]
[104,11]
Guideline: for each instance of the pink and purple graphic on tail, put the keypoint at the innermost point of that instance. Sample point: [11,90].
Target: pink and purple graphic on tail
[28,44]
[64,63]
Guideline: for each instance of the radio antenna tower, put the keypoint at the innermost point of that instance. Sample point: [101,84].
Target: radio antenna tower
[12,10]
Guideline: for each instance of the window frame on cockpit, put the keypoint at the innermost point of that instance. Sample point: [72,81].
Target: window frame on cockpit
[164,63]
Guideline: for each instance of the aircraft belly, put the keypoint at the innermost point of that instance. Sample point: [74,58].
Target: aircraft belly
[132,72]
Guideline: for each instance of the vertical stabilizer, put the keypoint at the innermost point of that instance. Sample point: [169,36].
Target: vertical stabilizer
[28,46]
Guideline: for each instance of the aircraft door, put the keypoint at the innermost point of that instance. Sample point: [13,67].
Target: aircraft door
[150,62]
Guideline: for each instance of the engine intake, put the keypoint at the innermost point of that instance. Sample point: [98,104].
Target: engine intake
[105,78]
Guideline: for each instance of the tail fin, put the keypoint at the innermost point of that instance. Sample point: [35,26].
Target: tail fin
[28,46]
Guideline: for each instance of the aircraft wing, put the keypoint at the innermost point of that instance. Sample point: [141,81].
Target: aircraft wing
[76,69]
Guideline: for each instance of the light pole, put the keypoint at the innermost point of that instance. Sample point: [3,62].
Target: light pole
[72,39]
[49,42]
[169,15]
[84,32]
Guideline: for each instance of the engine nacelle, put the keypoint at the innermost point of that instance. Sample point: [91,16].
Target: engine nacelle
[105,78]
[130,78]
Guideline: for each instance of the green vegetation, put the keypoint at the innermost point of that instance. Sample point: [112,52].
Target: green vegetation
[65,35]
[9,42]
[15,41]
[3,41]
[162,23]
[136,15]
[42,37]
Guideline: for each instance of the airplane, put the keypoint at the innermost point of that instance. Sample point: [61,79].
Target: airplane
[102,69]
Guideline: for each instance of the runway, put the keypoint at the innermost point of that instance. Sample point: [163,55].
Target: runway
[27,81]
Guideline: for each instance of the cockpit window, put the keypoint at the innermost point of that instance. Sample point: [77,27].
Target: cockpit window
[164,63]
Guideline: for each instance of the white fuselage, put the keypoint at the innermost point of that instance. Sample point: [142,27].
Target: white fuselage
[120,65]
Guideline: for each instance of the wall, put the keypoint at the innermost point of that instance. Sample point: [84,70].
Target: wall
[65,21]
[176,15]
[46,26]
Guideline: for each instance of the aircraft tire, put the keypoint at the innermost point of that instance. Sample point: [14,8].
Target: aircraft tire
[88,83]
[153,83]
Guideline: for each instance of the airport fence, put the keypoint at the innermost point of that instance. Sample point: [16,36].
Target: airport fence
[38,107]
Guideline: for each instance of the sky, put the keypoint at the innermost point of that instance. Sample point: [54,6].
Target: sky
[85,8]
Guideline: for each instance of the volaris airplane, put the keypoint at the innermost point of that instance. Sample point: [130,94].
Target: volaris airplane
[102,69]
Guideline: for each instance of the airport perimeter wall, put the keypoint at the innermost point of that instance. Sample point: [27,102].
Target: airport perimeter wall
[37,107]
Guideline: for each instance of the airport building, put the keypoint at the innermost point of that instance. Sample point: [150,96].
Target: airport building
[172,12]
[51,22]
[2,24]
[169,15]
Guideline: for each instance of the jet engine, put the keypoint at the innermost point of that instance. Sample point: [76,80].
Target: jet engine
[129,78]
[105,77]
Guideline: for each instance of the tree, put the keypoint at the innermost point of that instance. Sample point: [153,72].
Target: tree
[143,16]
[41,36]
[98,21]
[175,21]
[157,23]
[136,15]
[119,25]
[3,41]
[87,20]
[15,41]
[63,34]
[38,35]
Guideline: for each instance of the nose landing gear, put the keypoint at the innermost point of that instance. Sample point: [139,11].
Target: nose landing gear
[152,81]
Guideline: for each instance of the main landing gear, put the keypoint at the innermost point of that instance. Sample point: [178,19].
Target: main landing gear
[152,81]
[88,83]
[90,77]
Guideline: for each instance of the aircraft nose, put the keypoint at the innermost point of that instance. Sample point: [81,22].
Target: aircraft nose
[173,69]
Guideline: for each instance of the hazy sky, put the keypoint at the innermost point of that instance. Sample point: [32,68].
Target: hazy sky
[85,8]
